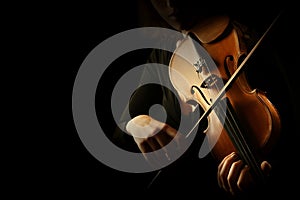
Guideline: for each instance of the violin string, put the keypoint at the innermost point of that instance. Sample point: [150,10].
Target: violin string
[248,155]
[236,134]
[239,141]
[233,130]
[230,124]
[222,91]
[231,79]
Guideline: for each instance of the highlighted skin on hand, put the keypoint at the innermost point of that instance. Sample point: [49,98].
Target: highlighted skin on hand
[151,135]
[235,177]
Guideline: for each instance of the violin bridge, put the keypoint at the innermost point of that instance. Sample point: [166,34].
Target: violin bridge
[212,81]
[199,64]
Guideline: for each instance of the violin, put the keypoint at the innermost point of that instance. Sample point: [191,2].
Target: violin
[207,68]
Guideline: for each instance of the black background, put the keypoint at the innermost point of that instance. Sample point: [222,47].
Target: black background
[62,35]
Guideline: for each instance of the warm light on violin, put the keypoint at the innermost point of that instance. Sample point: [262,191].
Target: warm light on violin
[240,118]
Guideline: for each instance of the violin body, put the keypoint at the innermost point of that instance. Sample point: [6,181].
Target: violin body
[244,120]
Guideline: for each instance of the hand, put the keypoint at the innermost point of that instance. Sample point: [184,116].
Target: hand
[234,176]
[151,135]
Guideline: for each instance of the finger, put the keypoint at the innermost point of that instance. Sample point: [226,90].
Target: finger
[170,130]
[153,143]
[146,149]
[163,138]
[158,151]
[174,142]
[233,176]
[245,181]
[266,168]
[223,170]
[179,138]
[143,145]
[220,168]
[151,158]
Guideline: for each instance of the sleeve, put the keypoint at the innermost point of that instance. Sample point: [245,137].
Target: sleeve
[151,91]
